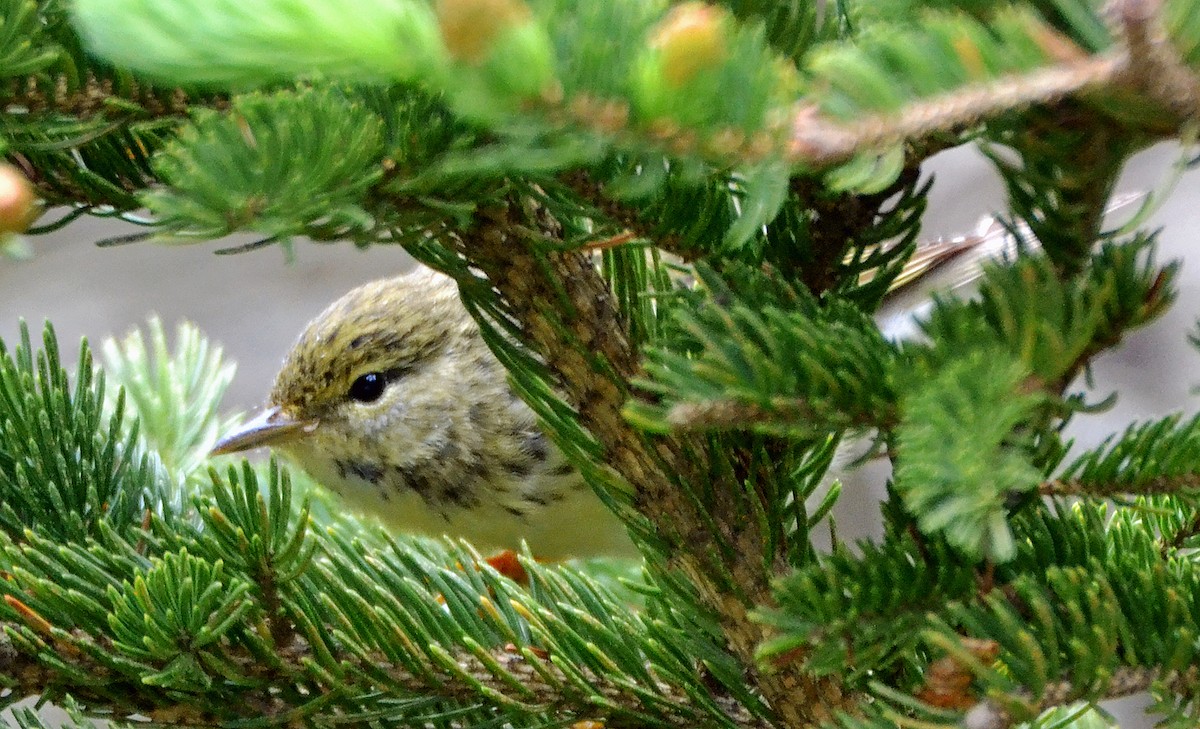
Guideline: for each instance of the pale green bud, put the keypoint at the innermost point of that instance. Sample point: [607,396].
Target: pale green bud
[505,57]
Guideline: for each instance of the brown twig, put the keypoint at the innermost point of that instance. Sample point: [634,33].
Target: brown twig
[821,141]
[1152,65]
[1147,63]
[1159,485]
[730,413]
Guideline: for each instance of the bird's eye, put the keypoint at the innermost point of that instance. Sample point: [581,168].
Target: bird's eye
[369,387]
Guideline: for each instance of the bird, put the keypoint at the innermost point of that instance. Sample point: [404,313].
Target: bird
[392,399]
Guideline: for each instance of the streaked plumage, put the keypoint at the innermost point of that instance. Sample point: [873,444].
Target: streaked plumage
[447,448]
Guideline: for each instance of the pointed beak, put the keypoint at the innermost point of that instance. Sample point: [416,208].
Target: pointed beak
[270,427]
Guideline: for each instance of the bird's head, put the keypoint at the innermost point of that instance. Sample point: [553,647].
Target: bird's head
[373,371]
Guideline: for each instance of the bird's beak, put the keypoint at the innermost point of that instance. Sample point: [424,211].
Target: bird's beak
[270,427]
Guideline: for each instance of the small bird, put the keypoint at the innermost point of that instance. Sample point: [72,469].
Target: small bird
[391,399]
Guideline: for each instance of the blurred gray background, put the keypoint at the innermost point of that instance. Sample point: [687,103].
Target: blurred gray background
[256,303]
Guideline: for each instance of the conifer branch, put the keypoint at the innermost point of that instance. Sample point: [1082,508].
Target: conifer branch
[1152,65]
[95,94]
[626,216]
[1125,681]
[1173,484]
[729,413]
[534,290]
[1148,62]
[817,140]
[544,688]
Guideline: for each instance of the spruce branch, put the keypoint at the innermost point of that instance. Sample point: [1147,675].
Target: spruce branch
[627,217]
[95,95]
[544,688]
[645,91]
[1152,66]
[1152,458]
[820,141]
[534,116]
[1146,62]
[780,413]
[593,363]
[754,337]
[1179,484]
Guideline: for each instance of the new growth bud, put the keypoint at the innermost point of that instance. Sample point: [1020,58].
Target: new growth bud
[18,201]
[680,70]
[505,55]
[471,27]
[690,40]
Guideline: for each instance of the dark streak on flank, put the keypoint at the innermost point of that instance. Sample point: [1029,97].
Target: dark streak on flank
[562,469]
[518,469]
[449,450]
[476,414]
[414,477]
[459,496]
[368,472]
[433,488]
[535,446]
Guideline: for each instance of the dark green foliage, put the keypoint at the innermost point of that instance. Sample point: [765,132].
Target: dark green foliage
[22,51]
[73,149]
[1164,451]
[959,457]
[792,26]
[64,466]
[179,607]
[1125,597]
[55,577]
[1086,590]
[682,200]
[372,592]
[173,614]
[245,527]
[752,343]
[1053,325]
[752,173]
[863,614]
[852,244]
[266,185]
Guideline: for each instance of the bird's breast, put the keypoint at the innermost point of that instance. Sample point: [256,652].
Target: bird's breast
[544,503]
